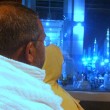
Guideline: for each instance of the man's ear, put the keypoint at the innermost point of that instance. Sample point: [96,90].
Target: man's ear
[29,53]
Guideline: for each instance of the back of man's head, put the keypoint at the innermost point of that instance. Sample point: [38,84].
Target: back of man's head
[17,26]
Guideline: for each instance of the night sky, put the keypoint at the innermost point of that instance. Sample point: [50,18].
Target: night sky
[97,20]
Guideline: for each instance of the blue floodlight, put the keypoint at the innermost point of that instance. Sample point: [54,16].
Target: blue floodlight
[102,63]
[85,63]
[50,29]
[47,23]
[79,10]
[95,58]
[93,61]
[88,58]
[93,66]
[83,59]
[106,60]
[79,30]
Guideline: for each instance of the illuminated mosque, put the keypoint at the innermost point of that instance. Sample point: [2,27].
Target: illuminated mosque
[91,57]
[96,67]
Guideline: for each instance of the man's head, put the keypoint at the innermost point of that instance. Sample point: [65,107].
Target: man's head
[21,34]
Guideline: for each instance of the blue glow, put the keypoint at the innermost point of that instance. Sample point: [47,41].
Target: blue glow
[52,34]
[108,33]
[108,53]
[95,41]
[102,63]
[79,30]
[79,8]
[93,61]
[88,58]
[83,59]
[78,16]
[47,23]
[65,35]
[50,29]
[106,60]
[85,63]
[69,10]
[95,47]
[95,58]
[93,65]
[108,45]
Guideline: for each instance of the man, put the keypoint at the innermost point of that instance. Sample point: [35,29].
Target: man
[21,40]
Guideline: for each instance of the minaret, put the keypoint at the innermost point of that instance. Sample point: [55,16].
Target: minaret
[106,45]
[95,48]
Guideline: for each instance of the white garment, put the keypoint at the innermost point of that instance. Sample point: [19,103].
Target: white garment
[22,88]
